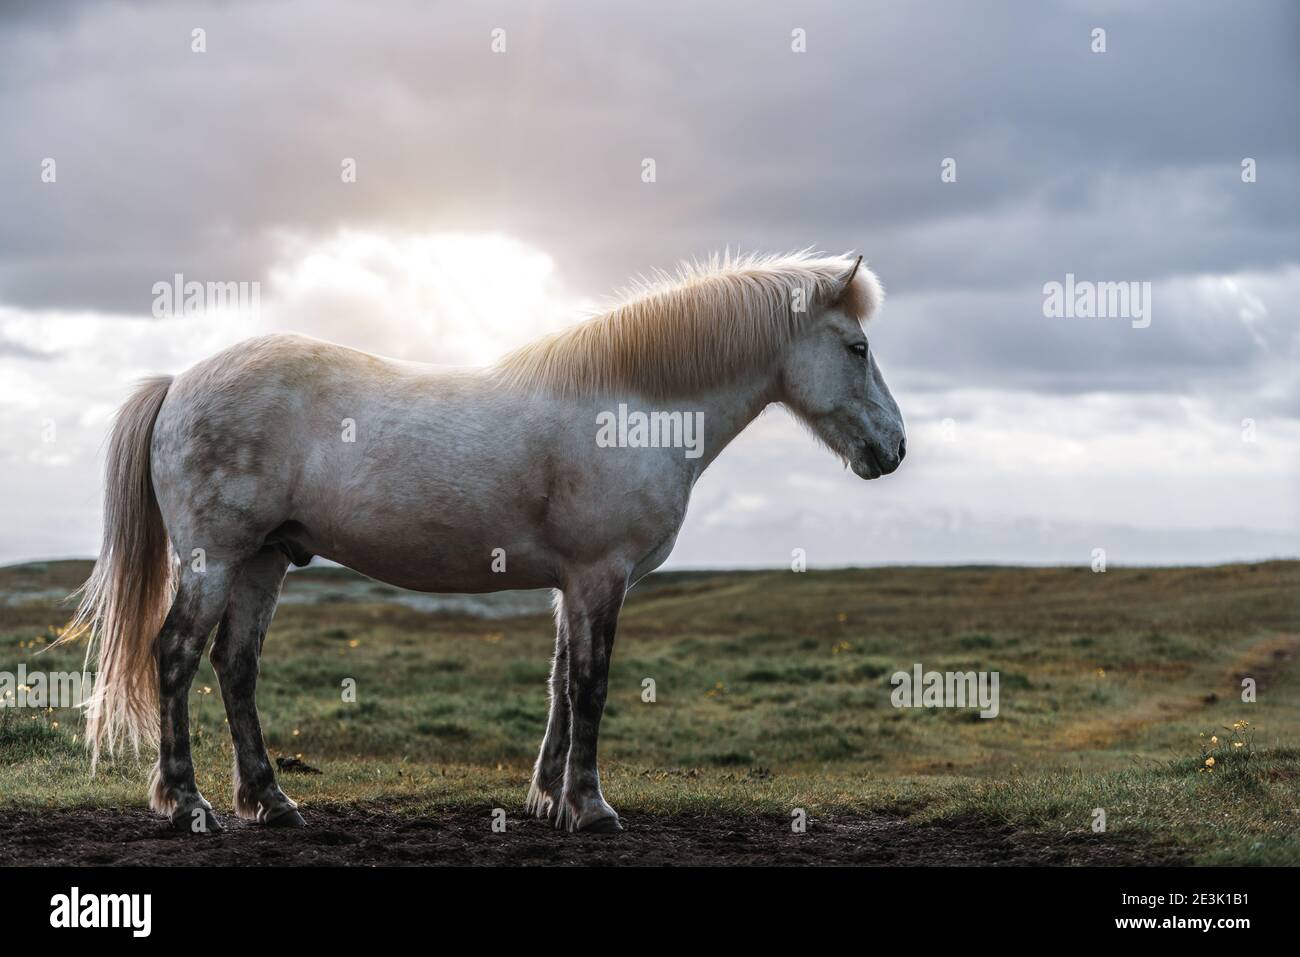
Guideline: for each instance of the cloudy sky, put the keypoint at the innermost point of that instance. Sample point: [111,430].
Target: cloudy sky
[499,194]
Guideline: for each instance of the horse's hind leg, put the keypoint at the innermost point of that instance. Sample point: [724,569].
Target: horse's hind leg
[591,607]
[235,655]
[200,600]
[548,773]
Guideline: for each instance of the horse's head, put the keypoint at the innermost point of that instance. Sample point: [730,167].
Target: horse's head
[829,378]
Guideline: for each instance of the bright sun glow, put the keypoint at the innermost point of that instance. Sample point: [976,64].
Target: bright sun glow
[450,298]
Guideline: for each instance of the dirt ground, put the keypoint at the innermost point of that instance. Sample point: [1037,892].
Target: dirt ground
[376,835]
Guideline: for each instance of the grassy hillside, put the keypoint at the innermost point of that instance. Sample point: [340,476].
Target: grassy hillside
[772,692]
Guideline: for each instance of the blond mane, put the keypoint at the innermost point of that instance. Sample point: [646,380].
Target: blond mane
[676,335]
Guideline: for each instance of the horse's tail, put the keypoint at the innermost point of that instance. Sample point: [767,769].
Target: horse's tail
[128,594]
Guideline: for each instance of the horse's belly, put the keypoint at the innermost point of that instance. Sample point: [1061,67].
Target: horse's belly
[492,507]
[448,563]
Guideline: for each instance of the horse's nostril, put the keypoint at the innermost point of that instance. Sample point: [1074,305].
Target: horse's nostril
[902,449]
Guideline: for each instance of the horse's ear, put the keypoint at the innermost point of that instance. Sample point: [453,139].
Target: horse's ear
[846,284]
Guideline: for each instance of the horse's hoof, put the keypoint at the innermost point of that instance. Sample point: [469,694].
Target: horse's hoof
[598,818]
[198,820]
[289,817]
[603,825]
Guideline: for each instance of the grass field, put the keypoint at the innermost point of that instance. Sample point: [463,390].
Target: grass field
[772,693]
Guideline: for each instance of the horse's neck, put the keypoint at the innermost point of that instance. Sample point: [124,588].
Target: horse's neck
[728,410]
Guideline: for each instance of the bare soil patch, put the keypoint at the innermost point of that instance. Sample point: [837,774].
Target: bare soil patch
[368,835]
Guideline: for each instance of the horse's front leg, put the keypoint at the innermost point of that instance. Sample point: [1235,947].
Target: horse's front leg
[591,607]
[548,773]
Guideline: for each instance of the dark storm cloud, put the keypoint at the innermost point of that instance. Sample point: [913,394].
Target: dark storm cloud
[1115,166]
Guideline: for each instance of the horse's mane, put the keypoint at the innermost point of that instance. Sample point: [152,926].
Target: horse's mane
[676,335]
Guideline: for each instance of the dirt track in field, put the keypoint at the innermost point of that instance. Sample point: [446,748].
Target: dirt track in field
[378,835]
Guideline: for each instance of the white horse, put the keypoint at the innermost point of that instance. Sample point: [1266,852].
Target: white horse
[436,479]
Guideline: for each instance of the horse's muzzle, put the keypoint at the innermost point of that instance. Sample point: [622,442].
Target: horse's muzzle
[876,461]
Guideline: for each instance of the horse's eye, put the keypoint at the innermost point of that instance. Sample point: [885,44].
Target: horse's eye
[858,349]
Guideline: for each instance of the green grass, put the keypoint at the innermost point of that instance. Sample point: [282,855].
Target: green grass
[772,691]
